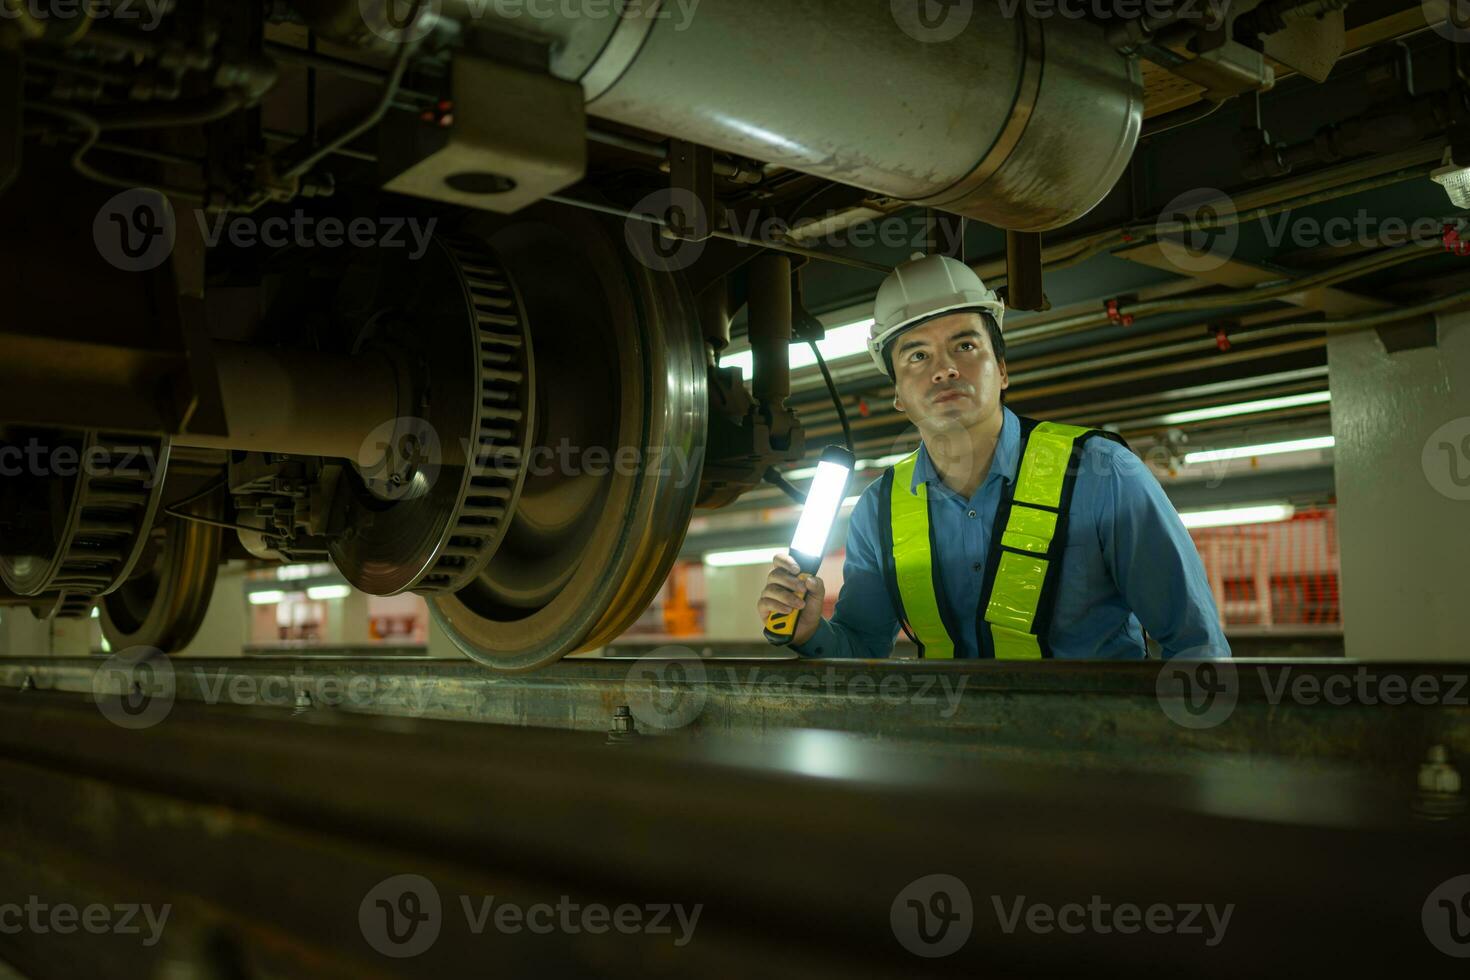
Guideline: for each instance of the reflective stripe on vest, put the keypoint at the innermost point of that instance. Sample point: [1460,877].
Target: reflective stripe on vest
[1019,589]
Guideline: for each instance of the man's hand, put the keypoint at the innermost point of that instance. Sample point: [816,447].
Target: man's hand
[786,592]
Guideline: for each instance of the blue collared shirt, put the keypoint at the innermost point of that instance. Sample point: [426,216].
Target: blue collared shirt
[1129,564]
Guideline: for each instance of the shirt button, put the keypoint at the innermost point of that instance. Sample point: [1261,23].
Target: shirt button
[972,514]
[979,567]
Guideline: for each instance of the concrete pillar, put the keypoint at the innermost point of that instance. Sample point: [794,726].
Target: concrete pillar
[1402,424]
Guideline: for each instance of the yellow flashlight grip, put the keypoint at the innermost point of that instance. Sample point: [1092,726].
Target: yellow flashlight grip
[780,627]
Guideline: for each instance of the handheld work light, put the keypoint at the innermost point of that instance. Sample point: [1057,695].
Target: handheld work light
[818,514]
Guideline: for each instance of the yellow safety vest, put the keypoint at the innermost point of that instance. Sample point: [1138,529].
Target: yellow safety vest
[1019,589]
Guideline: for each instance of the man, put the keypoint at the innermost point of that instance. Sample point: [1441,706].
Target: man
[999,537]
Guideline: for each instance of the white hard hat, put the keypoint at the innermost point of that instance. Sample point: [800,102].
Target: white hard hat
[926,286]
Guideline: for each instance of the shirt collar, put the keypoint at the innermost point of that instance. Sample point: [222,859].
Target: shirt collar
[1002,464]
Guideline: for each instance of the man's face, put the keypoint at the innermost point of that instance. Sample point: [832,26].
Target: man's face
[946,376]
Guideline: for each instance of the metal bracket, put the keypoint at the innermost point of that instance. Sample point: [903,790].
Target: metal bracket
[692,171]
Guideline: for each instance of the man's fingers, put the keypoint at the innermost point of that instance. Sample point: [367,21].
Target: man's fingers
[785,598]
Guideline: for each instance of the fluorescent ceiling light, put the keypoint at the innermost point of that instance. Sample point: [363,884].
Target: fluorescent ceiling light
[266,598]
[328,592]
[746,556]
[851,501]
[1262,514]
[1265,449]
[1246,408]
[844,341]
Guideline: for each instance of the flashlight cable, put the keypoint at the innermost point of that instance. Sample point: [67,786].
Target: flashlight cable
[836,398]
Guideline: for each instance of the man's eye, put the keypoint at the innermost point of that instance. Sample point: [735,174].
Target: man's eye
[966,345]
[916,355]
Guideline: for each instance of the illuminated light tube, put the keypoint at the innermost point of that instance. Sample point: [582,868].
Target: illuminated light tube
[1245,408]
[328,592]
[823,502]
[1261,514]
[744,556]
[1265,449]
[266,598]
[844,341]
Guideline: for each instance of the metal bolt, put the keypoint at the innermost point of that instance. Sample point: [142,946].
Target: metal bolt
[622,725]
[1440,795]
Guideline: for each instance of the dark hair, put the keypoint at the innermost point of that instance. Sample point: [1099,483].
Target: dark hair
[992,329]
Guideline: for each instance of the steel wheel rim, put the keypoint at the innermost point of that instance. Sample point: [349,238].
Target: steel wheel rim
[636,520]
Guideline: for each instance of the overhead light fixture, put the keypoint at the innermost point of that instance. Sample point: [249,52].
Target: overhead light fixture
[844,341]
[744,556]
[1246,408]
[268,598]
[1453,178]
[1265,449]
[1230,516]
[320,592]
